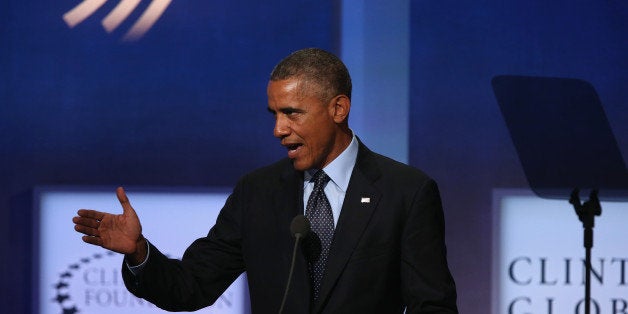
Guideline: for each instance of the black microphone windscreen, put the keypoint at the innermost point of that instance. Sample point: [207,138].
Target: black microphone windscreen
[300,225]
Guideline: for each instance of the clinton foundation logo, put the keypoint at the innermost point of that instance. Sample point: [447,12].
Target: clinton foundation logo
[93,284]
[118,15]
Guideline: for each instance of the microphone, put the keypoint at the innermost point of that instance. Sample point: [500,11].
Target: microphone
[299,228]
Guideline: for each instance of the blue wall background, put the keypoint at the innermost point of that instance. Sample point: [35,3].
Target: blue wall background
[456,129]
[185,105]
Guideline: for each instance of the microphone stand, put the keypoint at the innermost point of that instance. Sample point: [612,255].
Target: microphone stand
[586,213]
[294,255]
[300,228]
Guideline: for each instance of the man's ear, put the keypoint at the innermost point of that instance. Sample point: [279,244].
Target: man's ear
[342,106]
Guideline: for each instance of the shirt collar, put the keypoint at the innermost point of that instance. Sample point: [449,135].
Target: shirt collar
[339,170]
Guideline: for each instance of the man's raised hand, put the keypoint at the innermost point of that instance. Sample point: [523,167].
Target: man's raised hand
[119,233]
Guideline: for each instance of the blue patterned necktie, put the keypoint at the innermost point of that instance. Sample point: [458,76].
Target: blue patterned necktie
[318,211]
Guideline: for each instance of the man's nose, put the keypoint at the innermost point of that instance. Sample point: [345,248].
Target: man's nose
[282,128]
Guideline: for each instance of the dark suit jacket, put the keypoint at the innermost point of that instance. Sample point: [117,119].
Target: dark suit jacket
[388,250]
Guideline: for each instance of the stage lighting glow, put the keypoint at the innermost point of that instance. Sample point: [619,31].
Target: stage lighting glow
[119,14]
[82,11]
[147,20]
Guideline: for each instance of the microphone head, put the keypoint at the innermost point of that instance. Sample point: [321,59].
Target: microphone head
[300,226]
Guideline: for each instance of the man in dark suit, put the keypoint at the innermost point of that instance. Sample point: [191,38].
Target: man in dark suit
[377,244]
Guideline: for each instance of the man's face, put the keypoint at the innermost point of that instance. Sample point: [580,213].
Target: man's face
[304,124]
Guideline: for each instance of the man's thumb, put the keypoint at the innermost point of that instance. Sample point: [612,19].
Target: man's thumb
[124,200]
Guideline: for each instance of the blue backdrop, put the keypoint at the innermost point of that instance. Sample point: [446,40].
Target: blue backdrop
[186,104]
[457,131]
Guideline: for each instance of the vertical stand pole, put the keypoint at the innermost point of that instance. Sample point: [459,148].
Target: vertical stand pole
[586,213]
[588,243]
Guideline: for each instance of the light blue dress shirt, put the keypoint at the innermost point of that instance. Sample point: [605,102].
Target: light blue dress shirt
[339,171]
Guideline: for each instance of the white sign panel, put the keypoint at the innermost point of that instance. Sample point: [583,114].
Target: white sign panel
[75,277]
[539,256]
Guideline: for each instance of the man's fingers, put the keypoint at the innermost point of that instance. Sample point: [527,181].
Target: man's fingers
[88,231]
[92,240]
[89,213]
[124,201]
[88,222]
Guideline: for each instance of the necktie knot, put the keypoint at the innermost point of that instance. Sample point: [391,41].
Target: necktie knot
[320,179]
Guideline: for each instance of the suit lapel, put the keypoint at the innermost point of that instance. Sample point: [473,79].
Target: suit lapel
[360,201]
[288,200]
